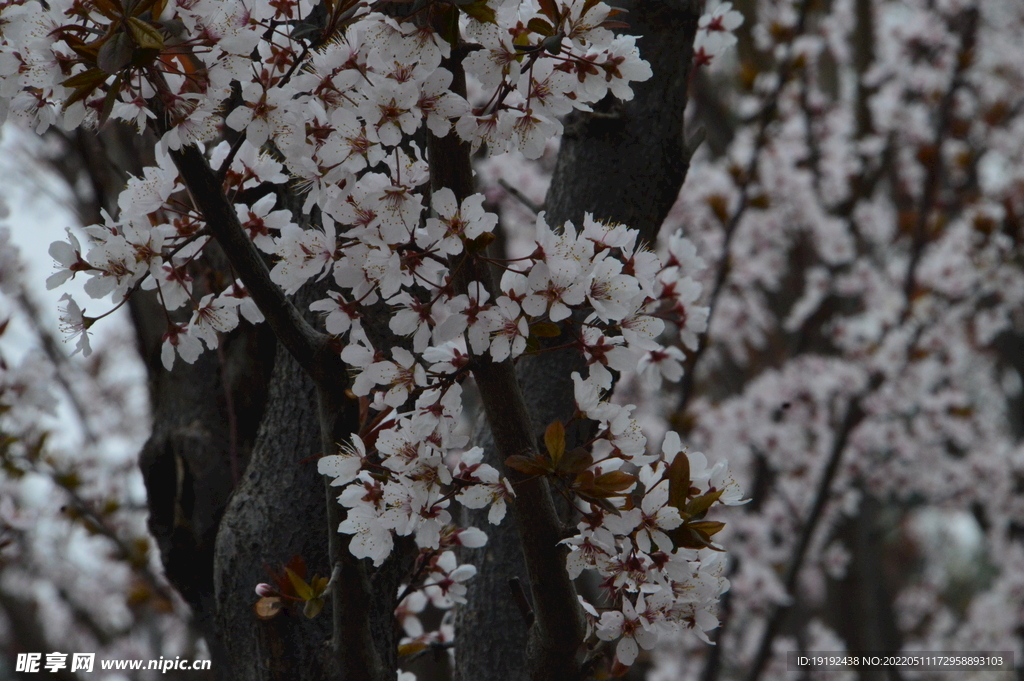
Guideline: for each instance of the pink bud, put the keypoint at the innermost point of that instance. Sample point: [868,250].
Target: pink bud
[263,590]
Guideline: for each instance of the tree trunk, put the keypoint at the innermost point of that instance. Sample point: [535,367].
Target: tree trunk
[625,164]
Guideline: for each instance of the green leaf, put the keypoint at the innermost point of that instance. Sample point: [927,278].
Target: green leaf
[684,537]
[678,481]
[145,35]
[553,43]
[319,584]
[480,243]
[554,440]
[481,11]
[302,590]
[313,607]
[707,527]
[700,505]
[411,648]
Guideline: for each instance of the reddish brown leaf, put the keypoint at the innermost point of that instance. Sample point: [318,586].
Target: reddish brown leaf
[614,481]
[527,465]
[575,461]
[108,8]
[554,440]
[678,481]
[115,54]
[549,8]
[539,26]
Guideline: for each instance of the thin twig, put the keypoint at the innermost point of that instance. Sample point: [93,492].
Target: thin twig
[854,415]
[225,165]
[968,21]
[101,525]
[534,207]
[765,117]
[522,600]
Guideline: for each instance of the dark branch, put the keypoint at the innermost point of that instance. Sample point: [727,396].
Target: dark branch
[558,628]
[309,347]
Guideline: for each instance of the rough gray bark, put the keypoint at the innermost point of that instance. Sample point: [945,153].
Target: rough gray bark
[206,418]
[190,459]
[277,512]
[627,161]
[625,164]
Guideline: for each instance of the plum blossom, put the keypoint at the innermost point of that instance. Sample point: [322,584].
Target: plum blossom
[455,223]
[260,218]
[344,466]
[213,315]
[179,341]
[633,628]
[74,323]
[512,330]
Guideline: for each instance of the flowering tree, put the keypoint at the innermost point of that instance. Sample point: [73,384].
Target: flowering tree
[348,156]
[319,278]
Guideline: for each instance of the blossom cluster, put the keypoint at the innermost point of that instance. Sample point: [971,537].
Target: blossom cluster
[402,484]
[715,34]
[331,107]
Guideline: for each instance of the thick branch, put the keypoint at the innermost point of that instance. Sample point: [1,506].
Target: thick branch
[353,642]
[557,631]
[309,347]
[352,599]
